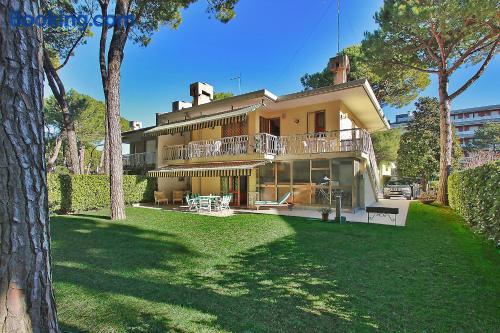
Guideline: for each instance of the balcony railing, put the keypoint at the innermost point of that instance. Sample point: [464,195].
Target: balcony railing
[140,160]
[267,144]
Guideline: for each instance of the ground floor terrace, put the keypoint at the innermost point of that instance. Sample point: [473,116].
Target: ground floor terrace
[162,271]
[311,182]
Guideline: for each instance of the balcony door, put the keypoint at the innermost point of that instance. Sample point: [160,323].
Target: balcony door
[270,126]
[316,122]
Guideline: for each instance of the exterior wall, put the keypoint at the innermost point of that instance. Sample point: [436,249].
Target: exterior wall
[206,134]
[167,185]
[169,140]
[205,185]
[297,120]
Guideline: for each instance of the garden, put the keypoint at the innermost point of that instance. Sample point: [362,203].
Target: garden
[161,271]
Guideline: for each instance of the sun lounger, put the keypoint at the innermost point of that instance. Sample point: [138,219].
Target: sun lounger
[280,203]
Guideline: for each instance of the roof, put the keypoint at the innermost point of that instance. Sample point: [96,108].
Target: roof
[216,119]
[477,109]
[216,169]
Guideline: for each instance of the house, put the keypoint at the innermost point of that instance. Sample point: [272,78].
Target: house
[259,146]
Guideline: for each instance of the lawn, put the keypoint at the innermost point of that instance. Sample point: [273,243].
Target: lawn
[163,271]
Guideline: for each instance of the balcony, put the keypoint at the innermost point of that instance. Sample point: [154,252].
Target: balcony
[139,161]
[261,144]
[269,146]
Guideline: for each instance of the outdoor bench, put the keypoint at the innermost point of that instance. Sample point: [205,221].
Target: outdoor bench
[382,211]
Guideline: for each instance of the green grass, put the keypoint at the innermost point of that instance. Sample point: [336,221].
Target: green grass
[162,271]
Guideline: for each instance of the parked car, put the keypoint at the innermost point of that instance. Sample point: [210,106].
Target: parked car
[398,187]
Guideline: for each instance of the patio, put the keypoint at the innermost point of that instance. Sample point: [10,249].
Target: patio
[359,216]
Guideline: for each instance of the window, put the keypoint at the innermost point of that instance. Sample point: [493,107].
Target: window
[283,170]
[301,172]
[266,174]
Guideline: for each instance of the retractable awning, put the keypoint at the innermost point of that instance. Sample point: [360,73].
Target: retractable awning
[218,119]
[219,169]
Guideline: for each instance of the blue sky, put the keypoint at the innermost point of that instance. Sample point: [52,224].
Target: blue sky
[271,43]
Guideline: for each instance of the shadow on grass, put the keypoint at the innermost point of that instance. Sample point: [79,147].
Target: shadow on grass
[287,285]
[321,278]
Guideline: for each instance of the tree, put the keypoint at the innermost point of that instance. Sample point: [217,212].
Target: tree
[436,38]
[59,44]
[486,138]
[390,87]
[87,114]
[222,95]
[386,145]
[25,264]
[418,154]
[148,16]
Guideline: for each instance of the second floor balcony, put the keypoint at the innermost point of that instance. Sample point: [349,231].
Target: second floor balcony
[268,146]
[139,161]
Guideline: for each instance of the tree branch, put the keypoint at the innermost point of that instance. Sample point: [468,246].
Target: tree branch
[478,73]
[429,71]
[481,44]
[102,47]
[72,49]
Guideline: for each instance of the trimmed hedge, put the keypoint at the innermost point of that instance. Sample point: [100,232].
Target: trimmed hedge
[87,192]
[475,195]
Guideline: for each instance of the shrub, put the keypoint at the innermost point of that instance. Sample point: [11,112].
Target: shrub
[475,195]
[86,192]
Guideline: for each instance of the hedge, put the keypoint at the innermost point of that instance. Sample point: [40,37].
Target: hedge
[87,192]
[475,195]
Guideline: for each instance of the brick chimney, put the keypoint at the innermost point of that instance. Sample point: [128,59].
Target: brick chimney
[202,93]
[340,68]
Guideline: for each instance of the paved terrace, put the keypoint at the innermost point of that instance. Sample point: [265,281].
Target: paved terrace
[360,216]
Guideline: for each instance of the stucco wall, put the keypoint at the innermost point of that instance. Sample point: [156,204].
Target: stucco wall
[295,120]
[205,185]
[167,185]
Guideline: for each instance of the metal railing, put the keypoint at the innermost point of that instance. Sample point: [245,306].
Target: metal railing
[139,160]
[262,143]
[267,144]
[325,142]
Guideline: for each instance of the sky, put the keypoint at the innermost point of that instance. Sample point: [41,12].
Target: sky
[271,44]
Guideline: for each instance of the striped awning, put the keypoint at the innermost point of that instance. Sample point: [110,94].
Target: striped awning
[218,119]
[219,169]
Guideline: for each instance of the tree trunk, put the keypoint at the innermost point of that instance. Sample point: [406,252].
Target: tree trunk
[81,156]
[57,148]
[27,303]
[445,140]
[105,150]
[59,92]
[111,86]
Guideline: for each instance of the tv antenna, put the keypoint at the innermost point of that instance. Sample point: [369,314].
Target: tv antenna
[338,26]
[239,82]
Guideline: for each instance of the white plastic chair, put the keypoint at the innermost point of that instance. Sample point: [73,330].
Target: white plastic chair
[205,204]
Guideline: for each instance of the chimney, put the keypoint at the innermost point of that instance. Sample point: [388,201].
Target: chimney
[179,105]
[135,125]
[340,68]
[202,93]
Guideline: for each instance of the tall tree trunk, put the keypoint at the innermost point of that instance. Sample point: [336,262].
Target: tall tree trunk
[115,136]
[445,139]
[59,92]
[27,302]
[110,75]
